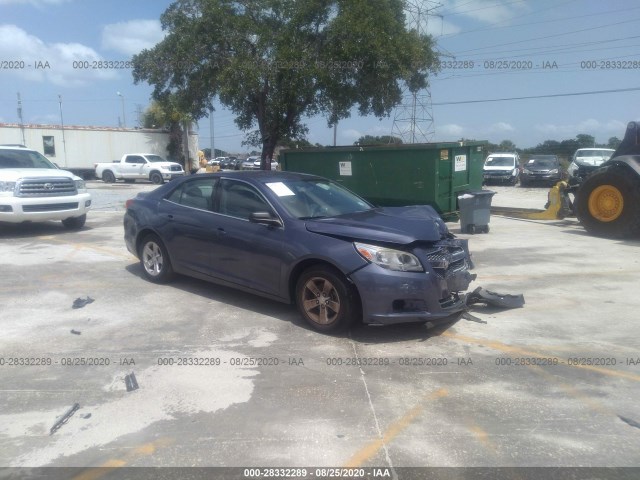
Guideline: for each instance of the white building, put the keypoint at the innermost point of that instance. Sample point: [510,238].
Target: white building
[77,148]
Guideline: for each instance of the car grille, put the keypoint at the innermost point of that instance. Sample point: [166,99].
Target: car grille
[175,168]
[447,261]
[54,207]
[46,187]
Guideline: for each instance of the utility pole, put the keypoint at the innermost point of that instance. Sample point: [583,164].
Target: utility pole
[213,140]
[64,143]
[413,119]
[24,141]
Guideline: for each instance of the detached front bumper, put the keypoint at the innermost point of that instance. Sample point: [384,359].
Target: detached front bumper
[390,297]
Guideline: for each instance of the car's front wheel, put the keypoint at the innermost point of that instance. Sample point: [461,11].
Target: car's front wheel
[155,260]
[156,178]
[325,299]
[75,223]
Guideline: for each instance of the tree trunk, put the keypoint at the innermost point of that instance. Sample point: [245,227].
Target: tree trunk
[268,147]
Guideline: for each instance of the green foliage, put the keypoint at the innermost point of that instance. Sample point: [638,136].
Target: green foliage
[274,62]
[378,140]
[614,142]
[166,114]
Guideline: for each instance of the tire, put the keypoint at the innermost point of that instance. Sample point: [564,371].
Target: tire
[325,300]
[608,203]
[75,223]
[108,177]
[154,259]
[485,229]
[471,229]
[156,178]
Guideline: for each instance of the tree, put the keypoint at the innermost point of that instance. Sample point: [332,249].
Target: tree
[507,146]
[275,62]
[378,140]
[585,141]
[613,142]
[165,114]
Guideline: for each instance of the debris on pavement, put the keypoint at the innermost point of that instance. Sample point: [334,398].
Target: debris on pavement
[81,302]
[85,416]
[472,318]
[480,295]
[131,382]
[76,332]
[629,421]
[65,418]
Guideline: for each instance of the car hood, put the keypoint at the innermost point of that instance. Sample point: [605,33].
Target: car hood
[498,169]
[540,169]
[165,164]
[15,174]
[591,161]
[399,225]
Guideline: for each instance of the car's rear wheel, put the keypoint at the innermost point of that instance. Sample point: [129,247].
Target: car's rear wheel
[155,260]
[108,177]
[325,299]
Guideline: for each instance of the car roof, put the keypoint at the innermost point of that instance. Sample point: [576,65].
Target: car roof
[262,176]
[596,148]
[22,148]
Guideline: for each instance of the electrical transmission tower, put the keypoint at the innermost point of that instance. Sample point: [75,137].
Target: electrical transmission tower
[413,119]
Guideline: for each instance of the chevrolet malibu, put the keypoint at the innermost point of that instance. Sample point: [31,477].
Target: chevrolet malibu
[302,239]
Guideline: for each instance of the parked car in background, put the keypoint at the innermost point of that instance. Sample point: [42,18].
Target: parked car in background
[216,161]
[502,168]
[256,164]
[541,169]
[585,161]
[302,239]
[32,189]
[139,166]
[248,163]
[230,163]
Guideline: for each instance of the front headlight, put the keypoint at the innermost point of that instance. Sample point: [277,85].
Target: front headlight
[80,185]
[572,168]
[554,171]
[388,258]
[528,172]
[7,186]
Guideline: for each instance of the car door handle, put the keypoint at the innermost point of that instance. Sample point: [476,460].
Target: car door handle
[221,232]
[170,217]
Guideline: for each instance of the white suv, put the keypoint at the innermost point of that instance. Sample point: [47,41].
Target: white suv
[32,189]
[502,167]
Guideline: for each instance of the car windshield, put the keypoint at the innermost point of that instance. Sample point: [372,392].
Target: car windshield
[594,153]
[317,198]
[499,162]
[23,159]
[543,162]
[155,158]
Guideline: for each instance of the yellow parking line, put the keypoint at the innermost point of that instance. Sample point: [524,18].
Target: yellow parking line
[80,246]
[139,451]
[527,353]
[374,447]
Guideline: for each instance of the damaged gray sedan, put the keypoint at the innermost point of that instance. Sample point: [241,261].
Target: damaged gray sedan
[302,239]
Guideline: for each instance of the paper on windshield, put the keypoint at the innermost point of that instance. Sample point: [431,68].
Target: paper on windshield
[280,189]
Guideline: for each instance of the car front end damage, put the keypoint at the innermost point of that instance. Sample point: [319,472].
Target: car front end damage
[430,294]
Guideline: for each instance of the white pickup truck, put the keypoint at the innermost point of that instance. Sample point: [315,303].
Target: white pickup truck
[32,189]
[139,166]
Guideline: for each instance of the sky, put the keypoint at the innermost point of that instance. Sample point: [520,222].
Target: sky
[523,70]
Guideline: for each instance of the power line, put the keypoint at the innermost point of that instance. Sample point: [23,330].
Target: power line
[551,36]
[489,100]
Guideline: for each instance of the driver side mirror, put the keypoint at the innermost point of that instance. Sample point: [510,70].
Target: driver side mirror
[265,218]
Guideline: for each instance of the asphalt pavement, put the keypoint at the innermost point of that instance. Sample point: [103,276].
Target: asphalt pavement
[227,379]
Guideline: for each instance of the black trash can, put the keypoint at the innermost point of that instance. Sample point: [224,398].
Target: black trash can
[475,210]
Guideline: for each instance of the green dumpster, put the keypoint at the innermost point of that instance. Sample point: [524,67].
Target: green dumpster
[396,175]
